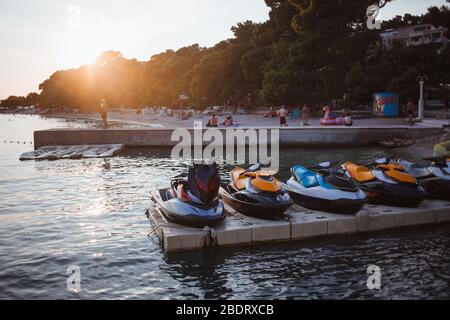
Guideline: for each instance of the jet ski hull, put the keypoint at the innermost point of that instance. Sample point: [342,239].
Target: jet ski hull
[435,179]
[334,201]
[339,206]
[256,205]
[397,195]
[186,213]
[437,189]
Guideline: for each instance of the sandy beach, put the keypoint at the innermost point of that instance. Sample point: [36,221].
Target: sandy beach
[241,120]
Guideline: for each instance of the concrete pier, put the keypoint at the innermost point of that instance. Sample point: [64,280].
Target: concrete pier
[293,136]
[239,230]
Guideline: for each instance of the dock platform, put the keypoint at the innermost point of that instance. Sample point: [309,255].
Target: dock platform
[301,223]
[290,136]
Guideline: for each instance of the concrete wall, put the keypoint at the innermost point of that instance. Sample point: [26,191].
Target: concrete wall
[312,136]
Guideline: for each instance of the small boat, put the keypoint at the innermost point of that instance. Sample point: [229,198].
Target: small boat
[387,184]
[325,189]
[435,178]
[194,201]
[256,192]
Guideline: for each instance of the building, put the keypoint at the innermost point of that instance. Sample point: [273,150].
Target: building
[414,36]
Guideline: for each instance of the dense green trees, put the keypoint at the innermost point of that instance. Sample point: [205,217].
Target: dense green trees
[309,51]
[112,77]
[14,101]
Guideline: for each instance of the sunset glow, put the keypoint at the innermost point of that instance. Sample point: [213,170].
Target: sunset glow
[54,35]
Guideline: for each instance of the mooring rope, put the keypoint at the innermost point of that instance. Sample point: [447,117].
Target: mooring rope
[210,238]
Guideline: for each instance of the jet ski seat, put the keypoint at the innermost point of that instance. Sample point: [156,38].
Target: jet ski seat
[416,170]
[238,178]
[394,171]
[305,177]
[359,173]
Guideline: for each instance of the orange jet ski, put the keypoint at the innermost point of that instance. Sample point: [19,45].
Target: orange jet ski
[387,184]
[256,192]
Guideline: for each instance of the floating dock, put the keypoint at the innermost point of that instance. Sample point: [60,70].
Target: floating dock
[291,136]
[300,224]
[73,152]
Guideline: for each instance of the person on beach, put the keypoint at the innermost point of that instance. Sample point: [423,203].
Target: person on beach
[273,113]
[305,115]
[410,113]
[347,119]
[282,114]
[228,121]
[326,112]
[213,122]
[103,110]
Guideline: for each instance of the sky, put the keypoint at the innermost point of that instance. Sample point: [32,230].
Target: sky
[39,37]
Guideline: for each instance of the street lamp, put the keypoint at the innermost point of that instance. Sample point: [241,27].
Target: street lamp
[421,80]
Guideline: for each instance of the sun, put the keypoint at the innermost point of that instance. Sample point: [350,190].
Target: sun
[79,48]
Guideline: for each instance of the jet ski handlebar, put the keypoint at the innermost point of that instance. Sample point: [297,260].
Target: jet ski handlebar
[382,161]
[255,170]
[181,175]
[325,165]
[440,161]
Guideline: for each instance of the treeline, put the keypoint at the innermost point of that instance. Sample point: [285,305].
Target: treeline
[309,51]
[30,100]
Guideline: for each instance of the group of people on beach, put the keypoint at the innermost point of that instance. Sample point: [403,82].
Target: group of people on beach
[282,114]
[213,121]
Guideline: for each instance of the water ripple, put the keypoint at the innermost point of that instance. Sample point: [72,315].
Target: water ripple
[56,214]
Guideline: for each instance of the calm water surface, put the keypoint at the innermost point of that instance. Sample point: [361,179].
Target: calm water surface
[56,214]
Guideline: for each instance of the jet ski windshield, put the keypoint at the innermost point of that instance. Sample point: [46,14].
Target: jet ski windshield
[439,161]
[204,182]
[414,169]
[255,167]
[341,182]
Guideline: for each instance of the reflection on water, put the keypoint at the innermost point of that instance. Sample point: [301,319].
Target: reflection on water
[76,212]
[324,269]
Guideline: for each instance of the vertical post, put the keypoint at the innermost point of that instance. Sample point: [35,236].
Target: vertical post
[421,102]
[422,80]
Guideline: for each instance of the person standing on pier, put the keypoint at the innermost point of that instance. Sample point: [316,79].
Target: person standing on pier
[305,115]
[282,114]
[103,110]
[410,112]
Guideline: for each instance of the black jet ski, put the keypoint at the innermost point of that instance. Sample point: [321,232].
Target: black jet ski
[386,184]
[435,178]
[256,192]
[193,201]
[325,188]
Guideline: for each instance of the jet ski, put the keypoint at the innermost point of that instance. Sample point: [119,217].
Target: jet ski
[435,178]
[194,201]
[386,184]
[326,189]
[256,192]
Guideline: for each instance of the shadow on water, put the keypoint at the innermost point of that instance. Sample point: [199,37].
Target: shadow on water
[288,156]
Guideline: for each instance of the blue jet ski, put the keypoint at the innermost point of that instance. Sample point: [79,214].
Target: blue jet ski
[194,201]
[325,188]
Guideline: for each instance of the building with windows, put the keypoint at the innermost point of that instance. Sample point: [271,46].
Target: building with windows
[414,35]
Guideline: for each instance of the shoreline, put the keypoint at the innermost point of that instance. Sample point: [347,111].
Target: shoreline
[254,120]
[422,145]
